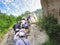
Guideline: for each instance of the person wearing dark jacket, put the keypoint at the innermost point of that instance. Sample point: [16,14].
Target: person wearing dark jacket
[16,27]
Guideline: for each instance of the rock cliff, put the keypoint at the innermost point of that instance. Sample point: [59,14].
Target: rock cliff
[51,7]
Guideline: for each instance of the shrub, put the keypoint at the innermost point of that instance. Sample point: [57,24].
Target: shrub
[50,25]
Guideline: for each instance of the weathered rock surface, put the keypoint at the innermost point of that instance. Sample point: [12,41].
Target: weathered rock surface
[37,36]
[51,7]
[7,40]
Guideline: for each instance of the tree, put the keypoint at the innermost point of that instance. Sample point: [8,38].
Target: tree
[26,13]
[20,17]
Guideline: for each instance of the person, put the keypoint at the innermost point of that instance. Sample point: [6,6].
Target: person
[26,27]
[28,18]
[16,36]
[24,23]
[16,27]
[23,20]
[22,39]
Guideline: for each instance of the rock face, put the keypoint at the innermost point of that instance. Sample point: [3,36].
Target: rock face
[51,7]
[33,18]
[7,38]
[37,37]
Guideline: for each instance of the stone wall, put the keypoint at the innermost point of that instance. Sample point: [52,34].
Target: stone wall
[51,7]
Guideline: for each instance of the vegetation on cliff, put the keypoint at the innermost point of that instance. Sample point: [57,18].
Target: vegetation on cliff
[50,25]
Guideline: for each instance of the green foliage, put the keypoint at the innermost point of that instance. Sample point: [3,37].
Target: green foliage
[47,43]
[20,17]
[26,13]
[12,19]
[5,22]
[38,12]
[50,24]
